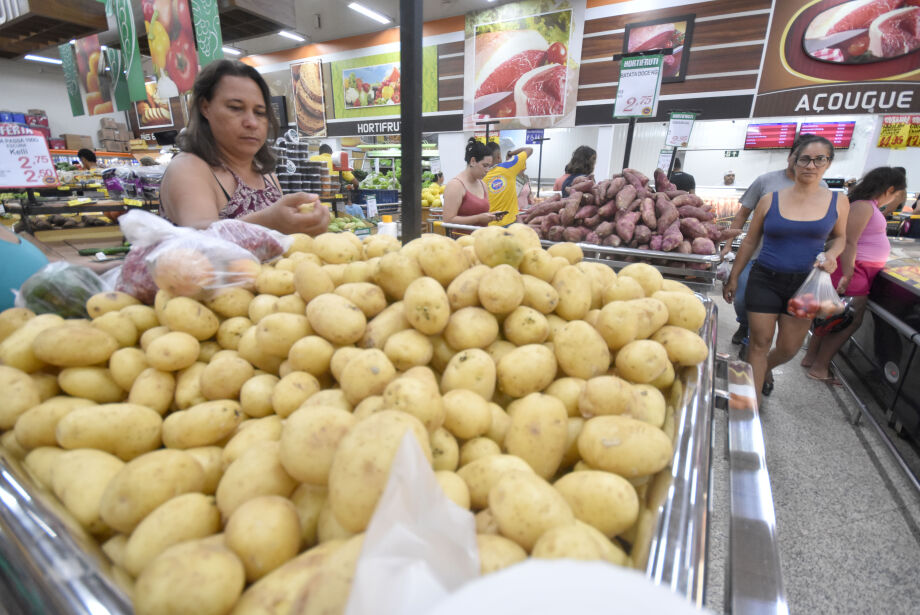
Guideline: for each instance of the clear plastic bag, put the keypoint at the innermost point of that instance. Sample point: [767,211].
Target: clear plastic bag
[265,244]
[60,288]
[816,297]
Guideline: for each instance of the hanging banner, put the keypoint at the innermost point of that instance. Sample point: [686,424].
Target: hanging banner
[637,90]
[127,33]
[679,128]
[24,158]
[119,81]
[521,64]
[172,46]
[72,78]
[89,66]
[207,31]
[895,131]
[913,137]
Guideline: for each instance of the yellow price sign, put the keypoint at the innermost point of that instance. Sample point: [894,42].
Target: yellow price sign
[94,185]
[82,201]
[133,202]
[65,188]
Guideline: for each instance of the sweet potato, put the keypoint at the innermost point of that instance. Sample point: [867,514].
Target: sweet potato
[586,212]
[635,178]
[626,226]
[574,233]
[635,205]
[642,235]
[692,228]
[574,194]
[607,210]
[673,194]
[703,245]
[685,247]
[729,233]
[625,197]
[555,233]
[582,184]
[544,208]
[655,242]
[592,237]
[712,231]
[537,229]
[641,193]
[647,211]
[616,184]
[591,222]
[536,221]
[689,211]
[671,237]
[605,228]
[567,215]
[619,215]
[613,241]
[662,183]
[681,200]
[587,198]
[667,213]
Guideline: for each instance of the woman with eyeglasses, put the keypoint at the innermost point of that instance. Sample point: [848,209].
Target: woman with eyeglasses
[867,250]
[465,198]
[795,224]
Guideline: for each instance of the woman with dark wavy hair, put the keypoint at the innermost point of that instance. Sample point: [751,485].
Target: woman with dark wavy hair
[226,168]
[582,163]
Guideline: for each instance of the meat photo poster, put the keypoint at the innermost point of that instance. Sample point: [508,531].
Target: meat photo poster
[521,64]
[309,100]
[841,56]
[675,33]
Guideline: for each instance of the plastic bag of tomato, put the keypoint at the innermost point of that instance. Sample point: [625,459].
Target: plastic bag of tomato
[816,297]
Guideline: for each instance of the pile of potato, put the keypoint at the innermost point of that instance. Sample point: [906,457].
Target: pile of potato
[228,453]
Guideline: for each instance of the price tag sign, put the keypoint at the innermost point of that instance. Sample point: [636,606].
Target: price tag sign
[435,167]
[895,131]
[24,159]
[532,135]
[133,202]
[64,188]
[913,136]
[637,91]
[94,185]
[679,129]
[371,206]
[80,201]
[664,159]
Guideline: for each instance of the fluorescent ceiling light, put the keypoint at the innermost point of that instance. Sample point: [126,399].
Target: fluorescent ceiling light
[232,51]
[292,36]
[42,59]
[369,13]
[103,47]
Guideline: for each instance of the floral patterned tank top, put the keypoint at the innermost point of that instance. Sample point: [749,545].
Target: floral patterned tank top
[246,199]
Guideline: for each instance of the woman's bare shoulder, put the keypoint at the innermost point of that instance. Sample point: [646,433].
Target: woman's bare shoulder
[187,163]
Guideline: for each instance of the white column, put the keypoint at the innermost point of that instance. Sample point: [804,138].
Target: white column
[604,148]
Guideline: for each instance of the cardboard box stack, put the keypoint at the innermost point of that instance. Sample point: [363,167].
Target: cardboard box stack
[113,136]
[76,142]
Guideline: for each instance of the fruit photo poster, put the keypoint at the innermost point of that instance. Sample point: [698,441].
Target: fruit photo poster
[90,66]
[521,64]
[172,46]
[371,86]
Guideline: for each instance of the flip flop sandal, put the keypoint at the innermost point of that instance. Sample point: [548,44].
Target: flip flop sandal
[831,379]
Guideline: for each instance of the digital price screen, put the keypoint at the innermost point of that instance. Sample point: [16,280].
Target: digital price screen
[838,133]
[770,136]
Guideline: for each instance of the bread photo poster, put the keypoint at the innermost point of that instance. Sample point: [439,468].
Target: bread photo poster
[309,106]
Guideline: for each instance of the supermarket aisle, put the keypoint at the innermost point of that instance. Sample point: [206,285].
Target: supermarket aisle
[848,520]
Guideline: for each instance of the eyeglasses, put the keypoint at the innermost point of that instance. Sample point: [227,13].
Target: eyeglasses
[820,161]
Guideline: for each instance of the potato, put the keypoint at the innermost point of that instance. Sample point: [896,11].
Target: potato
[9,442]
[666,378]
[574,288]
[642,361]
[539,263]
[40,464]
[230,302]
[16,350]
[526,370]
[100,303]
[408,348]
[539,295]
[675,286]
[441,259]
[496,246]
[648,277]
[486,524]
[567,542]
[197,577]
[606,395]
[311,281]
[336,273]
[291,391]
[603,500]
[537,433]
[250,350]
[153,389]
[684,347]
[36,426]
[151,334]
[249,433]
[173,351]
[395,271]
[256,472]
[471,327]
[146,482]
[366,374]
[143,317]
[336,248]
[311,354]
[125,430]
[309,442]
[19,394]
[478,447]
[445,451]
[497,552]
[501,290]
[276,333]
[426,305]
[328,590]
[264,532]
[463,291]
[185,517]
[624,446]
[188,386]
[472,369]
[368,297]
[526,236]
[119,326]
[391,320]
[75,345]
[202,425]
[651,315]
[454,488]
[78,479]
[526,326]
[261,306]
[580,350]
[336,318]
[114,549]
[570,457]
[300,242]
[417,397]
[46,384]
[189,316]
[125,365]
[278,282]
[368,406]
[361,465]
[649,405]
[328,397]
[208,350]
[500,423]
[569,251]
[340,359]
[359,272]
[526,506]
[209,458]
[624,288]
[684,310]
[328,528]
[308,500]
[256,395]
[292,304]
[618,324]
[482,474]
[567,390]
[12,319]
[467,414]
[94,383]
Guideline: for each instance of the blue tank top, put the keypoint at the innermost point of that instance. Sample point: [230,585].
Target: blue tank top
[19,261]
[791,246]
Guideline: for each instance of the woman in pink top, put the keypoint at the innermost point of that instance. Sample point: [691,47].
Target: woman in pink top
[465,197]
[865,254]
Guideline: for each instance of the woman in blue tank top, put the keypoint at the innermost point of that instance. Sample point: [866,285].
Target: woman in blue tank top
[795,225]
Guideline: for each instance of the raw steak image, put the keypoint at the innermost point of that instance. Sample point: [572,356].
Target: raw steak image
[651,37]
[541,91]
[502,57]
[895,33]
[854,15]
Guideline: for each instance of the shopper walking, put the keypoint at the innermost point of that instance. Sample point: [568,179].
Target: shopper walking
[582,163]
[681,180]
[767,183]
[466,200]
[501,183]
[87,158]
[867,249]
[794,224]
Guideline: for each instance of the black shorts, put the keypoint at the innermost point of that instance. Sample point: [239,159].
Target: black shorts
[769,291]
